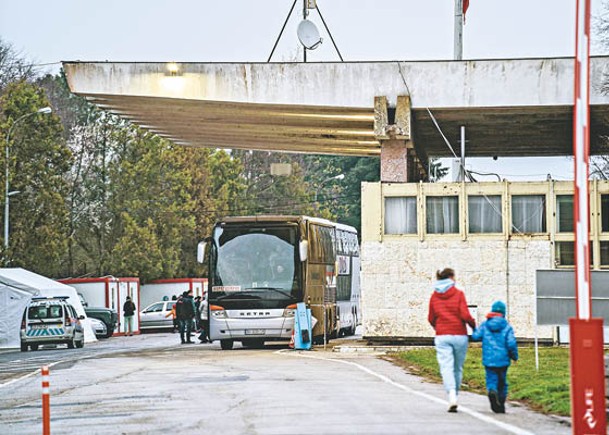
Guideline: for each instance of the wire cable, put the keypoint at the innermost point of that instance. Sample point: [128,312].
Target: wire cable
[282,29]
[329,33]
[465,171]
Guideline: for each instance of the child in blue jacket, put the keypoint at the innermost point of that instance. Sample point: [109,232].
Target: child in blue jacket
[498,349]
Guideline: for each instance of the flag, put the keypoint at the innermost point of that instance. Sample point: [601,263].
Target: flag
[465,6]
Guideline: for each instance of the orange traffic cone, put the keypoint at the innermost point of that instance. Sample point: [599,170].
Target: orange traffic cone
[292,340]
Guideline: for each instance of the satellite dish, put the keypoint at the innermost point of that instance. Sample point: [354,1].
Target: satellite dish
[308,35]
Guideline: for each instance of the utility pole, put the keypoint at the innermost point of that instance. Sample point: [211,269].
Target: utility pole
[305,12]
[458,55]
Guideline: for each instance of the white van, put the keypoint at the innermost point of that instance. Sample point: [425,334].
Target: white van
[51,320]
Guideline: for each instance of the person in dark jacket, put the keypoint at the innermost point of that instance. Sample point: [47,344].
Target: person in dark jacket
[448,315]
[498,349]
[197,302]
[128,312]
[185,312]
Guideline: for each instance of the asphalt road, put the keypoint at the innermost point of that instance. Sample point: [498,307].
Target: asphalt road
[151,384]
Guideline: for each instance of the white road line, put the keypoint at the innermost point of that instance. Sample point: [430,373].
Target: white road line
[35,372]
[485,418]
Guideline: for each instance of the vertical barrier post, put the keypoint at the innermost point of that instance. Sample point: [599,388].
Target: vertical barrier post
[588,413]
[46,407]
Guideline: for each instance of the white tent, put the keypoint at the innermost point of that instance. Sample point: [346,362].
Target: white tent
[17,287]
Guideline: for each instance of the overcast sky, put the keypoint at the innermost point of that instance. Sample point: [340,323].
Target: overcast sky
[245,31]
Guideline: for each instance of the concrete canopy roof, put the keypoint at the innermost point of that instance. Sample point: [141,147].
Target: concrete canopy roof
[518,107]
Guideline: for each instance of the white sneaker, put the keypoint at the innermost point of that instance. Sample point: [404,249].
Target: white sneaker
[452,401]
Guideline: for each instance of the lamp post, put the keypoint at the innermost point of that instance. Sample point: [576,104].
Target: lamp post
[7,193]
[336,177]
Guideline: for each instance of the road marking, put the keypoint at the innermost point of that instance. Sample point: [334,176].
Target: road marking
[475,414]
[95,353]
[35,372]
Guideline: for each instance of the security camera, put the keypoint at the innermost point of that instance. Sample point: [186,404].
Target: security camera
[495,157]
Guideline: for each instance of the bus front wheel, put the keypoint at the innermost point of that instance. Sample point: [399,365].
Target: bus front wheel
[254,343]
[226,344]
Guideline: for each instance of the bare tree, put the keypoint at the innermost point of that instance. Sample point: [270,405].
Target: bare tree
[13,65]
[599,165]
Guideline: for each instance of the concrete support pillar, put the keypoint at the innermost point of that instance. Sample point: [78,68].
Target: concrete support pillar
[398,158]
[396,164]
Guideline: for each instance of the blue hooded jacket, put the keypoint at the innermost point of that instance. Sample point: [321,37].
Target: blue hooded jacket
[498,341]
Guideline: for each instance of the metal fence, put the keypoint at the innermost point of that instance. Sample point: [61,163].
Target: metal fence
[555,296]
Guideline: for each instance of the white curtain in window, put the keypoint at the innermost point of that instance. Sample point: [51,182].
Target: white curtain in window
[484,213]
[442,214]
[529,214]
[400,215]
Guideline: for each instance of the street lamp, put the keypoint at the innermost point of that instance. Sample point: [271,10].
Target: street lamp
[7,192]
[336,177]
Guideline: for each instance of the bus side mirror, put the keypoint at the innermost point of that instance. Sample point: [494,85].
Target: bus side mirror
[303,250]
[201,251]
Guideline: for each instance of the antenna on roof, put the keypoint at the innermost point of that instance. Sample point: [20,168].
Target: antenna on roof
[307,32]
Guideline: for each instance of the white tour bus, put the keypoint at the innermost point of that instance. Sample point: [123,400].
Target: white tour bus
[260,267]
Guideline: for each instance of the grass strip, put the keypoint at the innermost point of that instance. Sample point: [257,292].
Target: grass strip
[546,390]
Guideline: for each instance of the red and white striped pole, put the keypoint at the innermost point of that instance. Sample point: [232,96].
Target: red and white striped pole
[46,405]
[586,334]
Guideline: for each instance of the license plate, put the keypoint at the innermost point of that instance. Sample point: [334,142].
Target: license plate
[254,332]
[38,326]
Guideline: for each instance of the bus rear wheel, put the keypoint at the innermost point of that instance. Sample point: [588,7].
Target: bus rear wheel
[226,344]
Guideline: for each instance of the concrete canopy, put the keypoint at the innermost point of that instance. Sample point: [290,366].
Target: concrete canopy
[518,107]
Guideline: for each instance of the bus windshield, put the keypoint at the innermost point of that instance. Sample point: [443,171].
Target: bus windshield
[256,262]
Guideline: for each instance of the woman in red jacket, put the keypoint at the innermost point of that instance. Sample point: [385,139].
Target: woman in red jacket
[448,314]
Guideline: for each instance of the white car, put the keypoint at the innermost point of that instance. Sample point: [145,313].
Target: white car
[157,316]
[101,331]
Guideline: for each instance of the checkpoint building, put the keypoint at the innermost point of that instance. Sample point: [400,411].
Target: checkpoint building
[496,235]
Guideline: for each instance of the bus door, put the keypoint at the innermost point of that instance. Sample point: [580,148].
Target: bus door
[321,278]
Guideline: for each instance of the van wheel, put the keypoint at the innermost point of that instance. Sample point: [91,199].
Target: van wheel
[226,344]
[23,347]
[80,344]
[71,344]
[34,346]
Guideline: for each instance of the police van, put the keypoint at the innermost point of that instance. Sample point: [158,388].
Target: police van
[51,320]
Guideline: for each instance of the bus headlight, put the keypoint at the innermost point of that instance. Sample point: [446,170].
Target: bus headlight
[289,311]
[217,311]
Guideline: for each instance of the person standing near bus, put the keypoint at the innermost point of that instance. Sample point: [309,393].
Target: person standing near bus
[185,311]
[203,321]
[448,315]
[197,302]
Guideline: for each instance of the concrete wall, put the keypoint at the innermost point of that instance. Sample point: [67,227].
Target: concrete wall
[397,277]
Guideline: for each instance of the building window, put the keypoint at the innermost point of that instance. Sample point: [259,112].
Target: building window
[605,213]
[604,253]
[528,214]
[442,214]
[565,253]
[400,215]
[484,214]
[564,213]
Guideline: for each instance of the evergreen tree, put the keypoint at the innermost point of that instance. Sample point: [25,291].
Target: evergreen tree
[149,199]
[38,164]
